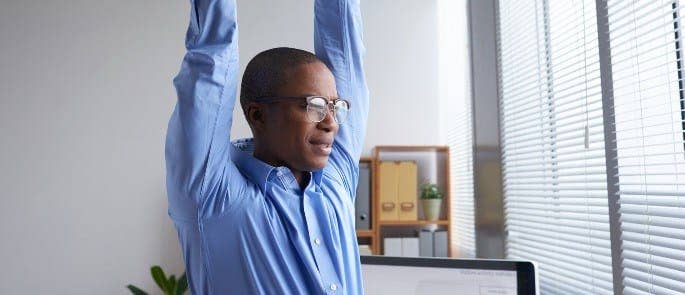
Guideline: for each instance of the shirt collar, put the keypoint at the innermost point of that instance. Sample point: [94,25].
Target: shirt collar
[317,176]
[257,171]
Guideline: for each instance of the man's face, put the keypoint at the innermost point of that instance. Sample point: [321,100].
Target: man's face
[290,136]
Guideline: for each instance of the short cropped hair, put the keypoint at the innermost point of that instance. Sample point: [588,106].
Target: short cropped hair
[267,72]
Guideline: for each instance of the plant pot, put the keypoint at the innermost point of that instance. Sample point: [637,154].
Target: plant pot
[431,208]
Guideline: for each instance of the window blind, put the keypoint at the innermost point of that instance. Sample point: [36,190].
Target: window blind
[456,121]
[554,176]
[646,62]
[460,141]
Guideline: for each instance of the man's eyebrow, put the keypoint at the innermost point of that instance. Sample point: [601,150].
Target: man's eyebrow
[326,96]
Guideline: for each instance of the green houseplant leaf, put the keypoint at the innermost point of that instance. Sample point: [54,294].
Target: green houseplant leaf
[430,191]
[169,286]
[182,285]
[160,278]
[135,290]
[172,285]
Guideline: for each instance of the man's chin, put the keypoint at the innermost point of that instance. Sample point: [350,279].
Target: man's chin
[318,163]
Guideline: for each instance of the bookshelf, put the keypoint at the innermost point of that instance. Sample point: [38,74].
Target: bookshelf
[432,163]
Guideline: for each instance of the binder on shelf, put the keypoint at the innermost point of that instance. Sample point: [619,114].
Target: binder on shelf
[407,191]
[365,250]
[440,243]
[397,188]
[410,247]
[403,247]
[362,202]
[426,243]
[387,190]
[393,246]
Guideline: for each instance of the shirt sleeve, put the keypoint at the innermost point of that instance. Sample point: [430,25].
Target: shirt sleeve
[198,135]
[338,42]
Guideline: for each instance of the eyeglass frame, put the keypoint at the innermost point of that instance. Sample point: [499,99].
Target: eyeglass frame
[330,103]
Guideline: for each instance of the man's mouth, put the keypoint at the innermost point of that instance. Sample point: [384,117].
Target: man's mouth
[322,147]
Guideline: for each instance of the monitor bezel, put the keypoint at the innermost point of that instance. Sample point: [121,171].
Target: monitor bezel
[525,270]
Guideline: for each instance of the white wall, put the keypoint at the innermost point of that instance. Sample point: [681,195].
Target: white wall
[85,92]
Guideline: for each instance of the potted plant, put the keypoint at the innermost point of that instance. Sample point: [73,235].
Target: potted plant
[169,285]
[431,199]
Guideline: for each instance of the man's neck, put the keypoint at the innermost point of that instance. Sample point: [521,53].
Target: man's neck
[302,177]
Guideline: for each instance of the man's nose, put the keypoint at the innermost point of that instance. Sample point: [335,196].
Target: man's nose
[329,124]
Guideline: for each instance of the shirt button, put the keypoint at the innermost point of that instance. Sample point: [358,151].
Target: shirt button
[317,241]
[334,287]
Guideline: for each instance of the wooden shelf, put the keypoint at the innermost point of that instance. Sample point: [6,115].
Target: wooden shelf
[365,233]
[373,237]
[413,222]
[436,167]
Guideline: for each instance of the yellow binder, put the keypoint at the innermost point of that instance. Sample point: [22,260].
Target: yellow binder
[407,191]
[397,188]
[387,190]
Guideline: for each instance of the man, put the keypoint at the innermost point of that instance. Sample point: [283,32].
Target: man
[274,214]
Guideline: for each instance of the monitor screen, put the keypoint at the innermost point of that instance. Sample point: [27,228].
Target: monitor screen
[400,275]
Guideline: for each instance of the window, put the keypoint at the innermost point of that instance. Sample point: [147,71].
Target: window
[554,184]
[594,184]
[647,97]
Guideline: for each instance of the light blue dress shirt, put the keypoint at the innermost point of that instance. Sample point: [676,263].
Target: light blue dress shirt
[246,227]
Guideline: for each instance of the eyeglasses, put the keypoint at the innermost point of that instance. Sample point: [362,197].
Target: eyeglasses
[317,106]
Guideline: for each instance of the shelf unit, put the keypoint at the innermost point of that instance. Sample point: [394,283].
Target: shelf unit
[433,164]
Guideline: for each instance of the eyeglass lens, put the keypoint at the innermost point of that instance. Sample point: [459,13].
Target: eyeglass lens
[317,108]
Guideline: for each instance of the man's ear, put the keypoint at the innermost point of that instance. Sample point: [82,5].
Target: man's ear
[255,115]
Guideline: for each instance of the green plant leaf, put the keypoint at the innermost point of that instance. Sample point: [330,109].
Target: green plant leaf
[135,290]
[160,278]
[182,285]
[172,285]
[430,191]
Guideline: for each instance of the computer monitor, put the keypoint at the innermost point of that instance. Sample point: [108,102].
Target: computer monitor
[434,276]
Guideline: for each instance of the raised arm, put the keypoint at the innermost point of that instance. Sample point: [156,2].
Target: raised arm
[198,140]
[338,42]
